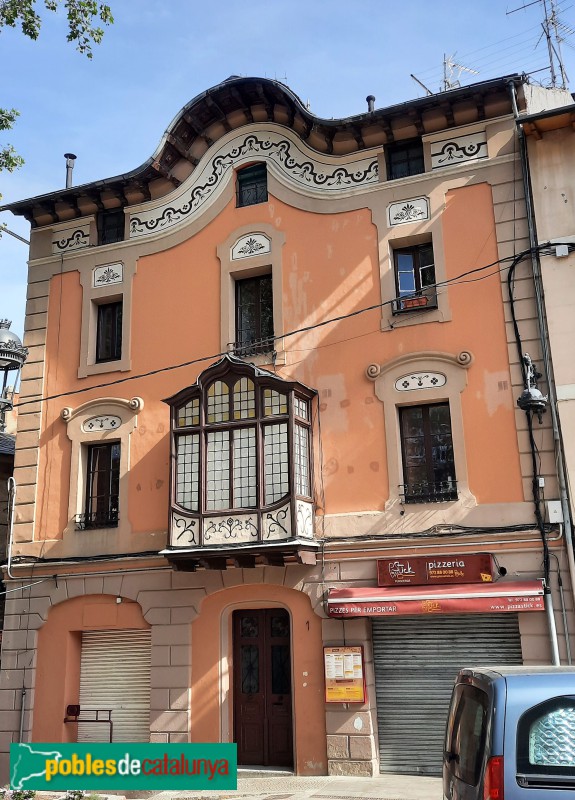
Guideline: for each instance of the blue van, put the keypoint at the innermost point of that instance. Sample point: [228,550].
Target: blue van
[511,735]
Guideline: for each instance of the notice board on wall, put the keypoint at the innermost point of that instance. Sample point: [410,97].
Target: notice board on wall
[344,674]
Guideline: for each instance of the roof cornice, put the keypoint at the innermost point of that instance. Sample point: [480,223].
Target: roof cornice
[240,101]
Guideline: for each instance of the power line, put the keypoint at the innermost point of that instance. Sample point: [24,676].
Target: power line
[458,279]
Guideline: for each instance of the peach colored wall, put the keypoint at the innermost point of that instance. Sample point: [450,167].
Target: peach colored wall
[489,415]
[58,664]
[310,756]
[330,267]
[62,354]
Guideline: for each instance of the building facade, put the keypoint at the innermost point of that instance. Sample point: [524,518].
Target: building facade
[269,408]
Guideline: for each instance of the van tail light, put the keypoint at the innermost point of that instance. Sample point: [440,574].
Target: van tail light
[493,783]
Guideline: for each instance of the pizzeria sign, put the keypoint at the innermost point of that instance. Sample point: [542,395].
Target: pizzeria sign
[435,569]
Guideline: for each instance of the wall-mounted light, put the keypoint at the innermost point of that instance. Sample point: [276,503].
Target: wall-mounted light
[12,356]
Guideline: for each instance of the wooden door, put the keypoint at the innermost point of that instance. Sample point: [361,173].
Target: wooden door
[262,687]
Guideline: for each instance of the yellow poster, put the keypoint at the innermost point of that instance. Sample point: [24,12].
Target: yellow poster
[344,675]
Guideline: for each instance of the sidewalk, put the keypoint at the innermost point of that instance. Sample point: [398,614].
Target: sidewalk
[290,787]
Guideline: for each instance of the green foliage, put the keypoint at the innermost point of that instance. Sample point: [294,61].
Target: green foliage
[82,17]
[9,159]
[15,794]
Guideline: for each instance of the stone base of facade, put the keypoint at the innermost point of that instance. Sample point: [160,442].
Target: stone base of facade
[359,769]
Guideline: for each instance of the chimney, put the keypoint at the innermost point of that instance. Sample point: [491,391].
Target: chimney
[70,158]
[370,103]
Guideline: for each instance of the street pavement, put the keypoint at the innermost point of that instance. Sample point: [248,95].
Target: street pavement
[289,787]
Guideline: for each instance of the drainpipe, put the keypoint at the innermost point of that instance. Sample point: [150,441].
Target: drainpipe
[544,336]
[22,708]
[11,503]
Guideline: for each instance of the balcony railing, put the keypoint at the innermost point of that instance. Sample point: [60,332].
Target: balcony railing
[426,492]
[425,298]
[97,519]
[254,347]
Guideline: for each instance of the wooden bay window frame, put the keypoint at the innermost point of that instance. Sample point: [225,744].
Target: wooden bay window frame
[294,418]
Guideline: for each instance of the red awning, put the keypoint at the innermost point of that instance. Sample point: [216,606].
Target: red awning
[465,598]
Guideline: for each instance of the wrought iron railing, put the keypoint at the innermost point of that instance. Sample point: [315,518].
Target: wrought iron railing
[425,298]
[97,519]
[426,492]
[254,347]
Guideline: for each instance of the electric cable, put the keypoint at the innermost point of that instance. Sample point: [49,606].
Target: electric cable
[306,329]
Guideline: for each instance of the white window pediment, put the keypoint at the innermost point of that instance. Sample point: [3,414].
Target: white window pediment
[254,244]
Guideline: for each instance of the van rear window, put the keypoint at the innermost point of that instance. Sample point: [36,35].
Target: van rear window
[468,733]
[546,744]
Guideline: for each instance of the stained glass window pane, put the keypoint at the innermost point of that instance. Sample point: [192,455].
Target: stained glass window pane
[218,402]
[301,455]
[279,625]
[250,667]
[189,414]
[274,403]
[301,408]
[187,471]
[249,627]
[245,479]
[276,462]
[244,399]
[218,471]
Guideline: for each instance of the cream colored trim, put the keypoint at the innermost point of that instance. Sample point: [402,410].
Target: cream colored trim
[384,376]
[410,235]
[92,296]
[232,270]
[75,418]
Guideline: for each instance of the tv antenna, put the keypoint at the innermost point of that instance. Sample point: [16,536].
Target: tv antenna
[428,92]
[449,68]
[555,32]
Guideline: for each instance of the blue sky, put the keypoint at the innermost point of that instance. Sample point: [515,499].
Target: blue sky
[112,111]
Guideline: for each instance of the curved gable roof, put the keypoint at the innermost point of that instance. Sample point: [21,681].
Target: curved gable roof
[240,101]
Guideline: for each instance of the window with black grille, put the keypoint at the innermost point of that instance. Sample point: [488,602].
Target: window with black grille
[111,225]
[254,316]
[109,332]
[252,185]
[427,449]
[101,506]
[404,159]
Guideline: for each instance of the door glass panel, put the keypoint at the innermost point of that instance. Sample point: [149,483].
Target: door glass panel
[250,666]
[249,627]
[280,669]
[279,625]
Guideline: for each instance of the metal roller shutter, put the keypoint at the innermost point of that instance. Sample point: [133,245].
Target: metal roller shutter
[416,660]
[115,674]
